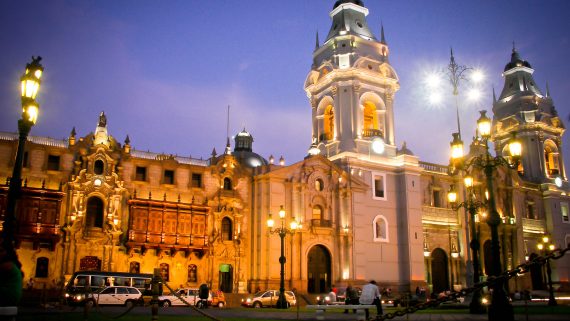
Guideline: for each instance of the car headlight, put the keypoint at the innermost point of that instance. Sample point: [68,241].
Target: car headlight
[248,300]
[67,295]
[79,297]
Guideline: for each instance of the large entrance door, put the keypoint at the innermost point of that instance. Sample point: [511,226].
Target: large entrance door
[319,269]
[226,278]
[536,274]
[440,278]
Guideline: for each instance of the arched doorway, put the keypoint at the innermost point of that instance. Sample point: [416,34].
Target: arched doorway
[226,278]
[319,269]
[94,217]
[439,273]
[536,274]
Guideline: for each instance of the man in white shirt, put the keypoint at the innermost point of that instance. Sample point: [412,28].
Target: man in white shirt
[371,295]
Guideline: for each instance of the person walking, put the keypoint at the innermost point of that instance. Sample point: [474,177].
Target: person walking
[371,295]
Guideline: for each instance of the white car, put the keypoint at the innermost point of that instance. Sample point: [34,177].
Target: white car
[189,295]
[111,295]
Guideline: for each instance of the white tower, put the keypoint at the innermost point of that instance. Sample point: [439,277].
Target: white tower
[351,85]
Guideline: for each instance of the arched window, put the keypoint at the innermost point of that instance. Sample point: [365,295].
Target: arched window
[94,217]
[380,229]
[507,156]
[98,167]
[551,158]
[227,184]
[328,123]
[42,265]
[319,185]
[370,116]
[134,267]
[317,212]
[227,231]
[192,273]
[164,271]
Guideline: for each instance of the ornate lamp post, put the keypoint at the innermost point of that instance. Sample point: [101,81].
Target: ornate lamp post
[471,204]
[546,247]
[282,231]
[30,85]
[500,308]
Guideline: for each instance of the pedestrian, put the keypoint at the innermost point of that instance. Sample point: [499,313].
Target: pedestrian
[332,296]
[10,276]
[351,297]
[371,295]
[203,293]
[418,291]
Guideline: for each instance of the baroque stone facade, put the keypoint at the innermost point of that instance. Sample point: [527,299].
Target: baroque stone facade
[365,208]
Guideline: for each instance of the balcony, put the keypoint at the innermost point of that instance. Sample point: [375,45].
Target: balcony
[439,216]
[369,132]
[436,168]
[321,223]
[533,226]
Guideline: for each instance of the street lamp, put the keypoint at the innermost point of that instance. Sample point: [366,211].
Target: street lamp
[548,247]
[471,204]
[282,231]
[500,308]
[30,85]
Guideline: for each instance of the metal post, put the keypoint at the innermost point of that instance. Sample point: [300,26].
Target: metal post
[500,308]
[282,302]
[475,307]
[155,288]
[551,300]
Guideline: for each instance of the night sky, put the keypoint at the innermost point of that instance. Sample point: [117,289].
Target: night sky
[164,72]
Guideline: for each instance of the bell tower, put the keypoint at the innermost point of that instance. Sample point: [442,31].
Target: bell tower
[351,86]
[523,109]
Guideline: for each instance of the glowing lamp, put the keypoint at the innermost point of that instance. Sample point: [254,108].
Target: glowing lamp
[294,225]
[426,253]
[270,222]
[468,181]
[454,255]
[30,111]
[378,145]
[282,212]
[515,147]
[540,246]
[484,125]
[452,195]
[551,247]
[456,147]
[30,81]
[477,76]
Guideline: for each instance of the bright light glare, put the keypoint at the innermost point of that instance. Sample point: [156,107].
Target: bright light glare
[474,94]
[378,145]
[433,80]
[477,76]
[435,98]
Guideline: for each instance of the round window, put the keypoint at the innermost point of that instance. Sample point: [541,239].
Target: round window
[319,185]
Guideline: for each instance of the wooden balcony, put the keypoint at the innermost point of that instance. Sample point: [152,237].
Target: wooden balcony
[369,132]
[321,223]
[533,226]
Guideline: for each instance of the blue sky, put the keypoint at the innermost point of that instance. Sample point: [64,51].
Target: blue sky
[164,72]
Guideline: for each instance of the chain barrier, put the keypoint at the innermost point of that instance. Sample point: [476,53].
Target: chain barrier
[491,280]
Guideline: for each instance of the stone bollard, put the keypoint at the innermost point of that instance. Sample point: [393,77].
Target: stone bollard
[155,288]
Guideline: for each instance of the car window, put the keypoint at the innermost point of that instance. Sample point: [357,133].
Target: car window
[97,281]
[267,294]
[259,293]
[122,281]
[192,292]
[81,280]
[122,291]
[182,292]
[133,291]
[108,291]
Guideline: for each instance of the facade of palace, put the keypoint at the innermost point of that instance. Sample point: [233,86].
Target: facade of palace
[366,209]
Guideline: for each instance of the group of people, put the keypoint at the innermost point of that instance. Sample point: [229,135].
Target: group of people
[370,296]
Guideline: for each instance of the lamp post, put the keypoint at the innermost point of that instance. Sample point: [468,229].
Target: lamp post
[500,308]
[30,85]
[546,247]
[457,75]
[282,231]
[471,204]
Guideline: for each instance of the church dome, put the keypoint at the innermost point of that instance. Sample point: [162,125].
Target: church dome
[356,2]
[243,150]
[516,61]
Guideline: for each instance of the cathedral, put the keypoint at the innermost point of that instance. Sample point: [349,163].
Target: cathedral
[362,207]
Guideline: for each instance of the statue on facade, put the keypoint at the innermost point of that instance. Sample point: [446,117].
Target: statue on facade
[102,120]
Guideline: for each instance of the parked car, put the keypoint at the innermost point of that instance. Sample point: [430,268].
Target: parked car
[110,295]
[191,295]
[268,299]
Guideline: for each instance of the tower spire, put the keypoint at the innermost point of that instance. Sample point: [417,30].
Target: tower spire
[547,90]
[382,37]
[494,95]
[317,44]
[228,147]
